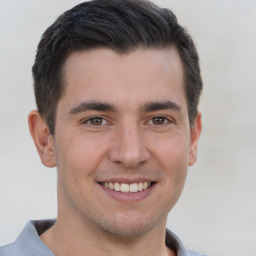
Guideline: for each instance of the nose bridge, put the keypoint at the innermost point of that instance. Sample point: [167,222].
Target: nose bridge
[129,147]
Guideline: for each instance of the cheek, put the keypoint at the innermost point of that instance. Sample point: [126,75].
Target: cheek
[173,151]
[172,155]
[77,159]
[78,155]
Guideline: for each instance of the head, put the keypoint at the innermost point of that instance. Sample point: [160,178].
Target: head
[119,25]
[117,85]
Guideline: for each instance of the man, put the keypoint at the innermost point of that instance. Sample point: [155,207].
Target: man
[117,85]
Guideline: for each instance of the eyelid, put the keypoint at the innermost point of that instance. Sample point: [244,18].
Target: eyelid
[87,120]
[168,120]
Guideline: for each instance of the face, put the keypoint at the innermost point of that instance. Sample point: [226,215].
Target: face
[122,140]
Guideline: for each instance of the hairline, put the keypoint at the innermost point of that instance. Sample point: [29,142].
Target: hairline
[63,84]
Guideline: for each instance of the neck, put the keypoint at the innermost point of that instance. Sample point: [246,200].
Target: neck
[72,238]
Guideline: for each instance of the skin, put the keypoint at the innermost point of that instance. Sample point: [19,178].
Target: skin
[140,132]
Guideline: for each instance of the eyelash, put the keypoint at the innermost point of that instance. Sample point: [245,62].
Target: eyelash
[103,121]
[90,119]
[163,118]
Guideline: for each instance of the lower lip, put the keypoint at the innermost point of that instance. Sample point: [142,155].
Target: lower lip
[129,197]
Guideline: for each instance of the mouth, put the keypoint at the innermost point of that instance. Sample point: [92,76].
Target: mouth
[127,188]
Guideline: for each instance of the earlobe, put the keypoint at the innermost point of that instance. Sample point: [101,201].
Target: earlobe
[194,138]
[42,138]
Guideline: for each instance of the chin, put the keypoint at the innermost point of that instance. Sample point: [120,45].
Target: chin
[129,225]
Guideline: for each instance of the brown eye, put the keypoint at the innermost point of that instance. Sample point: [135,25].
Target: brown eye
[158,120]
[96,121]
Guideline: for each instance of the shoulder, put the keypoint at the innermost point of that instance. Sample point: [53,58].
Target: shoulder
[191,253]
[10,250]
[174,242]
[7,250]
[28,242]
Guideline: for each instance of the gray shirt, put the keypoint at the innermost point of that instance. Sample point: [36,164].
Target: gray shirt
[29,243]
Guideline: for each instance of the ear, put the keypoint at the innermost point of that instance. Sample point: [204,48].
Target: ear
[43,139]
[195,132]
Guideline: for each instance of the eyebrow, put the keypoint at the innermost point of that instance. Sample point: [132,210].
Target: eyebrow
[105,107]
[161,105]
[93,105]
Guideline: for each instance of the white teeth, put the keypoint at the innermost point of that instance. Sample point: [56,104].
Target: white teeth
[111,186]
[140,186]
[126,188]
[134,187]
[117,187]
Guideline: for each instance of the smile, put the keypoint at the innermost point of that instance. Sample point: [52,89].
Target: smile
[127,188]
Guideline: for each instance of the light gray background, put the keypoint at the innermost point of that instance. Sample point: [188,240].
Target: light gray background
[217,212]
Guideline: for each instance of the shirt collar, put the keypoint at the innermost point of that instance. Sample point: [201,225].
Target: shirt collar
[29,240]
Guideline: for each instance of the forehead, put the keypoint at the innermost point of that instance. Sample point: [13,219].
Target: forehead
[139,76]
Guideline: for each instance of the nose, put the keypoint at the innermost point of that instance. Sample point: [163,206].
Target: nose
[128,148]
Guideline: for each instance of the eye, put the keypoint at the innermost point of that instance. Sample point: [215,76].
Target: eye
[159,120]
[95,121]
